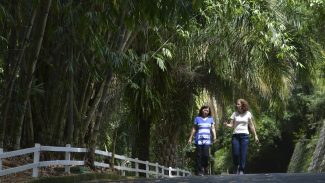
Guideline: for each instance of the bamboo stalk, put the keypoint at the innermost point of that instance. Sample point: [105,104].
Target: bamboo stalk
[43,15]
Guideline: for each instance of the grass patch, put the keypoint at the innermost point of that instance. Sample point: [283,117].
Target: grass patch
[78,178]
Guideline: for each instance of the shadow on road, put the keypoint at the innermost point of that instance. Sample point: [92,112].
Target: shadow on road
[250,178]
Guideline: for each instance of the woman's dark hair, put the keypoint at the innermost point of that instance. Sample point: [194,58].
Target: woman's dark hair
[244,104]
[204,107]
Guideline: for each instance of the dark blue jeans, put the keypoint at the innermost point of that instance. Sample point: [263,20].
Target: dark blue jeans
[239,150]
[202,158]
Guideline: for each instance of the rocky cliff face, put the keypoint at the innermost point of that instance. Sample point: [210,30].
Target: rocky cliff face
[317,163]
[299,161]
[309,154]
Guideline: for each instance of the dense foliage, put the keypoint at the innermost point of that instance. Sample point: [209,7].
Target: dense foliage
[129,76]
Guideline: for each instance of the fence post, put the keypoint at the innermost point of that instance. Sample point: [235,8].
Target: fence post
[136,167]
[1,151]
[163,171]
[177,172]
[170,171]
[123,166]
[147,169]
[36,160]
[157,170]
[188,173]
[67,158]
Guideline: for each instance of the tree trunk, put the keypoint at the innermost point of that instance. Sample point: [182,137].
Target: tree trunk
[214,110]
[101,108]
[5,104]
[81,110]
[168,150]
[86,96]
[113,150]
[142,142]
[61,124]
[30,127]
[91,112]
[77,126]
[12,73]
[34,50]
[70,125]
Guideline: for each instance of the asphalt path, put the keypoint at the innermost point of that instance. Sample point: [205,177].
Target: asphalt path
[251,178]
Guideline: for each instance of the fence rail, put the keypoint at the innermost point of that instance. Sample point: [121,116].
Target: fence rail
[126,164]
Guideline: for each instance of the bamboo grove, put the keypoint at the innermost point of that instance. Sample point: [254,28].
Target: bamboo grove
[126,75]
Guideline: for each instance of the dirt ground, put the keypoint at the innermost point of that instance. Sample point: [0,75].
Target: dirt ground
[50,171]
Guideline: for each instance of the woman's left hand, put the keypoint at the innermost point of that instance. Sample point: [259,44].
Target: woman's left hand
[256,139]
[214,140]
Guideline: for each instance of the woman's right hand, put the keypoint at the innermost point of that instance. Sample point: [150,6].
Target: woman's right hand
[226,124]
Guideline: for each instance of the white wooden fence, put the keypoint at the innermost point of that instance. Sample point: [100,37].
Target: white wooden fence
[126,163]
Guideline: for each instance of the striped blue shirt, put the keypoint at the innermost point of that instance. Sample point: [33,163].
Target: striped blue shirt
[203,130]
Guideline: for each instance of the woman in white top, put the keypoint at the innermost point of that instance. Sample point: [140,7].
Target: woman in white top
[240,121]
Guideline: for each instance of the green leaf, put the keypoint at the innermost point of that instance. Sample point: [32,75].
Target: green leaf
[161,63]
[167,53]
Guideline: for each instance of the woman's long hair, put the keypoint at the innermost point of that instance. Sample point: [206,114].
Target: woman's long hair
[244,104]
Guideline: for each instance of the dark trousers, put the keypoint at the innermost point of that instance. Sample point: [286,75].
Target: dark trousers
[239,150]
[202,158]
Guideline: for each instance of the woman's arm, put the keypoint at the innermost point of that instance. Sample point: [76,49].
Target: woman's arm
[192,133]
[252,127]
[213,129]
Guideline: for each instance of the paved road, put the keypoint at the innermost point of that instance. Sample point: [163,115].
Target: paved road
[251,178]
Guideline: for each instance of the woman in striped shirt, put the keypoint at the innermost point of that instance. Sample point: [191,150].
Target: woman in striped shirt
[202,129]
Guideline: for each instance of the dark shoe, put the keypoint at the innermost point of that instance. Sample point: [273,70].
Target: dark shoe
[206,171]
[236,171]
